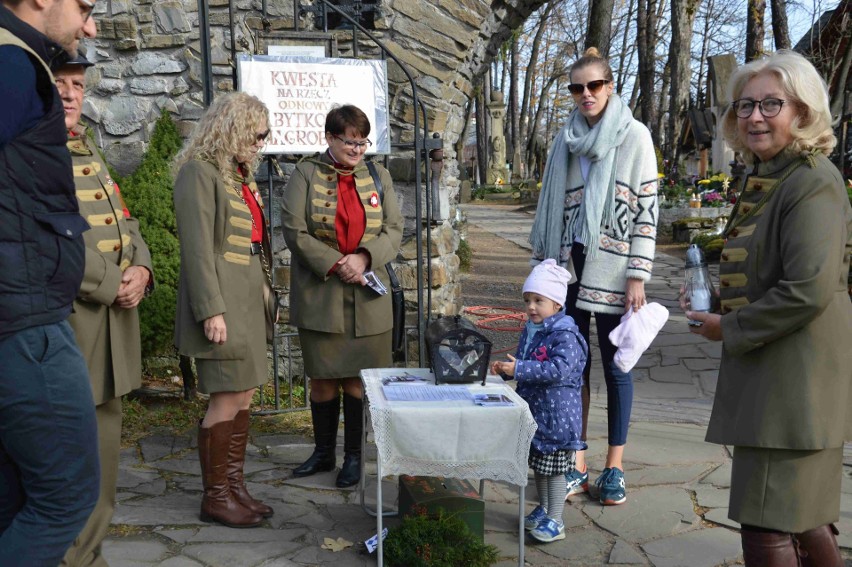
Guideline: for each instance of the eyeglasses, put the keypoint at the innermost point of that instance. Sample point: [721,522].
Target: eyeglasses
[593,86]
[86,9]
[769,107]
[262,136]
[353,145]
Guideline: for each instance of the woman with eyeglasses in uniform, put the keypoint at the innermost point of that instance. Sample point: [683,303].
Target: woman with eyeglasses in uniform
[224,309]
[338,226]
[597,216]
[785,381]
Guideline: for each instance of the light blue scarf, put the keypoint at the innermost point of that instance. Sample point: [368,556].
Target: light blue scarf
[600,145]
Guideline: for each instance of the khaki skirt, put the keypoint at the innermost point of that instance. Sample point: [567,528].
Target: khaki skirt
[252,371]
[343,355]
[785,490]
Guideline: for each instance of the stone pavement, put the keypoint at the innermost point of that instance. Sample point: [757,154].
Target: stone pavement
[676,513]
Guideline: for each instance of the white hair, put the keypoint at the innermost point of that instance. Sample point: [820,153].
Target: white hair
[804,88]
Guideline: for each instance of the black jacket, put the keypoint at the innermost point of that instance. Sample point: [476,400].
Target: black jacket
[42,254]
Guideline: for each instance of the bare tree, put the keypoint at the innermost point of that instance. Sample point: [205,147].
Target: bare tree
[529,77]
[780,28]
[755,29]
[719,29]
[599,33]
[646,44]
[683,19]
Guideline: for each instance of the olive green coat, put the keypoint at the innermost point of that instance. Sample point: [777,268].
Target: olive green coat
[317,298]
[785,379]
[108,335]
[214,229]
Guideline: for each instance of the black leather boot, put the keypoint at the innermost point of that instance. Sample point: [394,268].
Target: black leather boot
[768,548]
[818,547]
[353,414]
[326,418]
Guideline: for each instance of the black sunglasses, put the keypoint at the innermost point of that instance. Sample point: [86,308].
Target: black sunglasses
[263,136]
[593,86]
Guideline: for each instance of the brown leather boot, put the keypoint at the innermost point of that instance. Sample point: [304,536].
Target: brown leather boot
[219,504]
[236,462]
[818,547]
[764,548]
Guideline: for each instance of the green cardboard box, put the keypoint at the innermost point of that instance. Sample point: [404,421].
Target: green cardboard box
[458,497]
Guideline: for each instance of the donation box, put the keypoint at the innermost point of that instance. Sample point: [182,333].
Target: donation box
[454,496]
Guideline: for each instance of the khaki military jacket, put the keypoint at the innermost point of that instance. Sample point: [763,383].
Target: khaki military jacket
[214,228]
[108,335]
[785,379]
[308,211]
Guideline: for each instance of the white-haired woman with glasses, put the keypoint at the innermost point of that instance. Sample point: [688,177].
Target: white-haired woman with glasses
[597,215]
[785,381]
[223,309]
[338,225]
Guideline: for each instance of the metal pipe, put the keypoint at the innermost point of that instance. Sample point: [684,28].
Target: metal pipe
[233,43]
[204,40]
[269,199]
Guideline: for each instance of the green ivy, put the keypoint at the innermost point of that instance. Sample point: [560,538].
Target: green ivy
[148,193]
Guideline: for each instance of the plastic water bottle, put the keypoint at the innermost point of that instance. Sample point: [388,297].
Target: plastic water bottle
[698,289]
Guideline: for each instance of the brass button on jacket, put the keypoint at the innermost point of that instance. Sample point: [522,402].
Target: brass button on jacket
[108,220]
[87,170]
[99,195]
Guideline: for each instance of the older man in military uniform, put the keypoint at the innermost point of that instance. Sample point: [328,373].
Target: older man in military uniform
[105,319]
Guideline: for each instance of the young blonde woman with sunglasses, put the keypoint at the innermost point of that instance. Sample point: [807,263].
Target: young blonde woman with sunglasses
[597,215]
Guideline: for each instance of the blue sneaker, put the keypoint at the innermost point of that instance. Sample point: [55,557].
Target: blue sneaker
[578,482]
[611,485]
[532,521]
[549,530]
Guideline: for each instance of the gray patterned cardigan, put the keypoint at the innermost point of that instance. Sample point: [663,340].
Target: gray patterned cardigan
[625,249]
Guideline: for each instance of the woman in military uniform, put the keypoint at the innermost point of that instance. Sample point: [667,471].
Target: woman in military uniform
[338,225]
[221,313]
[785,381]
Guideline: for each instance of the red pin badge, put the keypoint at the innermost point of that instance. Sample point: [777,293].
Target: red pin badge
[374,200]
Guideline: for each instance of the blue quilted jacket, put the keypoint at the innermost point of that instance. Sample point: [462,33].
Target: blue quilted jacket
[549,375]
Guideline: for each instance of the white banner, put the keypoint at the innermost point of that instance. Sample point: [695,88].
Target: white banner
[299,91]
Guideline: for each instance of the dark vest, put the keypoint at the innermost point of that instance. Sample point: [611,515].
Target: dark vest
[42,255]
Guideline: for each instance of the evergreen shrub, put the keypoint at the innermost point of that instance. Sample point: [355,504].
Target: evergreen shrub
[148,194]
[436,540]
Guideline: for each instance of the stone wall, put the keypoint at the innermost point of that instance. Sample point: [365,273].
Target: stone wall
[147,59]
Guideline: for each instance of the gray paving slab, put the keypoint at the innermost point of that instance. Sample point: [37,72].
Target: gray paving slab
[139,551]
[670,444]
[675,373]
[678,474]
[720,516]
[711,497]
[230,555]
[650,513]
[720,477]
[700,548]
[623,553]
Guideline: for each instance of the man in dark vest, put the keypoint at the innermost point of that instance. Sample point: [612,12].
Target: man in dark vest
[48,436]
[105,319]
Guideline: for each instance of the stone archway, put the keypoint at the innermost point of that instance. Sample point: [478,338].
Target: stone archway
[148,60]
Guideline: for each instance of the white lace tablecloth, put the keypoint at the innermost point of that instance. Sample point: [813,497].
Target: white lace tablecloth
[453,439]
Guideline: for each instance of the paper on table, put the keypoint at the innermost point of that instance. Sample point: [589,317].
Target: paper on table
[404,393]
[492,400]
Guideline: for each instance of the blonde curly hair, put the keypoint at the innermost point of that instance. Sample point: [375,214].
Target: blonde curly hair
[225,131]
[804,89]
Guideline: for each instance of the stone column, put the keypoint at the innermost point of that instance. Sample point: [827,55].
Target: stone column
[497,143]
